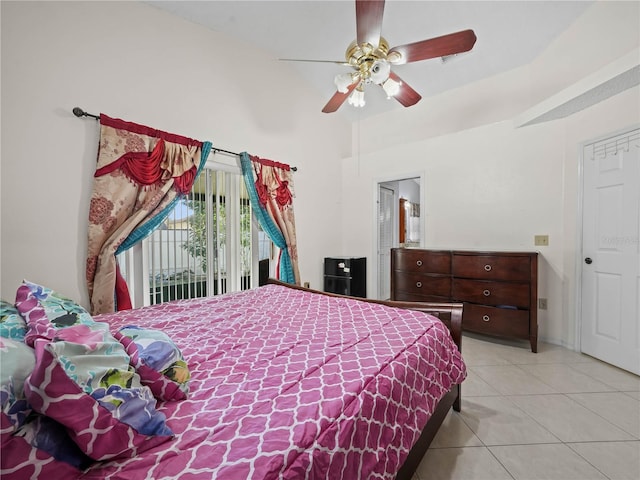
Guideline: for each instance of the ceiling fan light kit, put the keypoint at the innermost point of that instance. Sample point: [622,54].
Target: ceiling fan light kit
[391,87]
[342,81]
[357,97]
[371,58]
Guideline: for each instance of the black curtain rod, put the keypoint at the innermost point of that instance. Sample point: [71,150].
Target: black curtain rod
[78,112]
[216,150]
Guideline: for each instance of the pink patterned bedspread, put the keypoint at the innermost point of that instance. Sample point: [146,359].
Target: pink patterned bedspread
[289,384]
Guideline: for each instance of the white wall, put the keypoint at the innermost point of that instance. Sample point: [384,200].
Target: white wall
[135,62]
[490,185]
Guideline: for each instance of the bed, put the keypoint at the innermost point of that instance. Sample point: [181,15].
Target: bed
[288,383]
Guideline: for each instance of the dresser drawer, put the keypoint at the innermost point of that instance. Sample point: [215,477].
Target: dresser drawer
[418,297]
[423,285]
[492,267]
[425,261]
[491,293]
[496,321]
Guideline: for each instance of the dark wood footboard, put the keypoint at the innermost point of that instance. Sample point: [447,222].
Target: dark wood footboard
[451,316]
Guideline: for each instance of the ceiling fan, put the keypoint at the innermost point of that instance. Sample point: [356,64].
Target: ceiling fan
[371,58]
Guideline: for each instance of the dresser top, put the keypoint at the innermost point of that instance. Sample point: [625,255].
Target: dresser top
[471,251]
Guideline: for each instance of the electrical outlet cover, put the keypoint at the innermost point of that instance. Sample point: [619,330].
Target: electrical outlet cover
[541,240]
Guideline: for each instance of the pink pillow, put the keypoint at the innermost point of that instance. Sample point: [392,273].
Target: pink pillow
[45,311]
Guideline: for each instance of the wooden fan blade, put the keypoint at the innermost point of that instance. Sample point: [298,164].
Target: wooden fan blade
[435,47]
[407,96]
[369,21]
[338,62]
[338,98]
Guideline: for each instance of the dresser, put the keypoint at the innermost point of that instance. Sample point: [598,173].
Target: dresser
[499,289]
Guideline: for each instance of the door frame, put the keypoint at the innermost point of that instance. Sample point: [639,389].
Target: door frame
[579,228]
[382,292]
[373,278]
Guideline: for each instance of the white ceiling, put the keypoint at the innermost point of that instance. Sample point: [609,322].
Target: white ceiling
[510,34]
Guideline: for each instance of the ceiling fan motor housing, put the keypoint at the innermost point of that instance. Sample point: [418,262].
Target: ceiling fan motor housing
[370,61]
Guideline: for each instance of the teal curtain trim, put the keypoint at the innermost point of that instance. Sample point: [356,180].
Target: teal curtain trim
[148,227]
[265,221]
[286,267]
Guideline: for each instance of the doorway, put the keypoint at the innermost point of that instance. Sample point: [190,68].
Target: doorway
[610,263]
[398,222]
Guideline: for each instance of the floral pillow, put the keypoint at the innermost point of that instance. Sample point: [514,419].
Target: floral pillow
[12,325]
[45,311]
[83,380]
[157,360]
[31,443]
[17,361]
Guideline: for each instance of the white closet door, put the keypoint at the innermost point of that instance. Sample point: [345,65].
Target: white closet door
[610,327]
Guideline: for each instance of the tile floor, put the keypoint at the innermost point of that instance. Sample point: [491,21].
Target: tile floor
[554,415]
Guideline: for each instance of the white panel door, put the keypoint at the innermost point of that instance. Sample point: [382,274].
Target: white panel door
[386,225]
[610,327]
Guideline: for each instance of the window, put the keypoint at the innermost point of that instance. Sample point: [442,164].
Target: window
[208,245]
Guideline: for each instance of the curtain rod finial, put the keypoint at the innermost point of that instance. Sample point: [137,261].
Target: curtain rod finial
[78,112]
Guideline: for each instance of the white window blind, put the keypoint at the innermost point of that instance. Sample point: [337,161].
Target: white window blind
[207,245]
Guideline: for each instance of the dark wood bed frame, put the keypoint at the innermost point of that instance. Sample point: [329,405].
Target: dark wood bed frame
[451,316]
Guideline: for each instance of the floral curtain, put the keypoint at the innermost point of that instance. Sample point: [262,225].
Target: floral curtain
[270,187]
[141,173]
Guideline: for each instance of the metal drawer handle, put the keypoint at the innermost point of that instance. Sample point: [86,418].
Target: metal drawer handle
[419,263]
[485,318]
[486,293]
[419,284]
[487,268]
